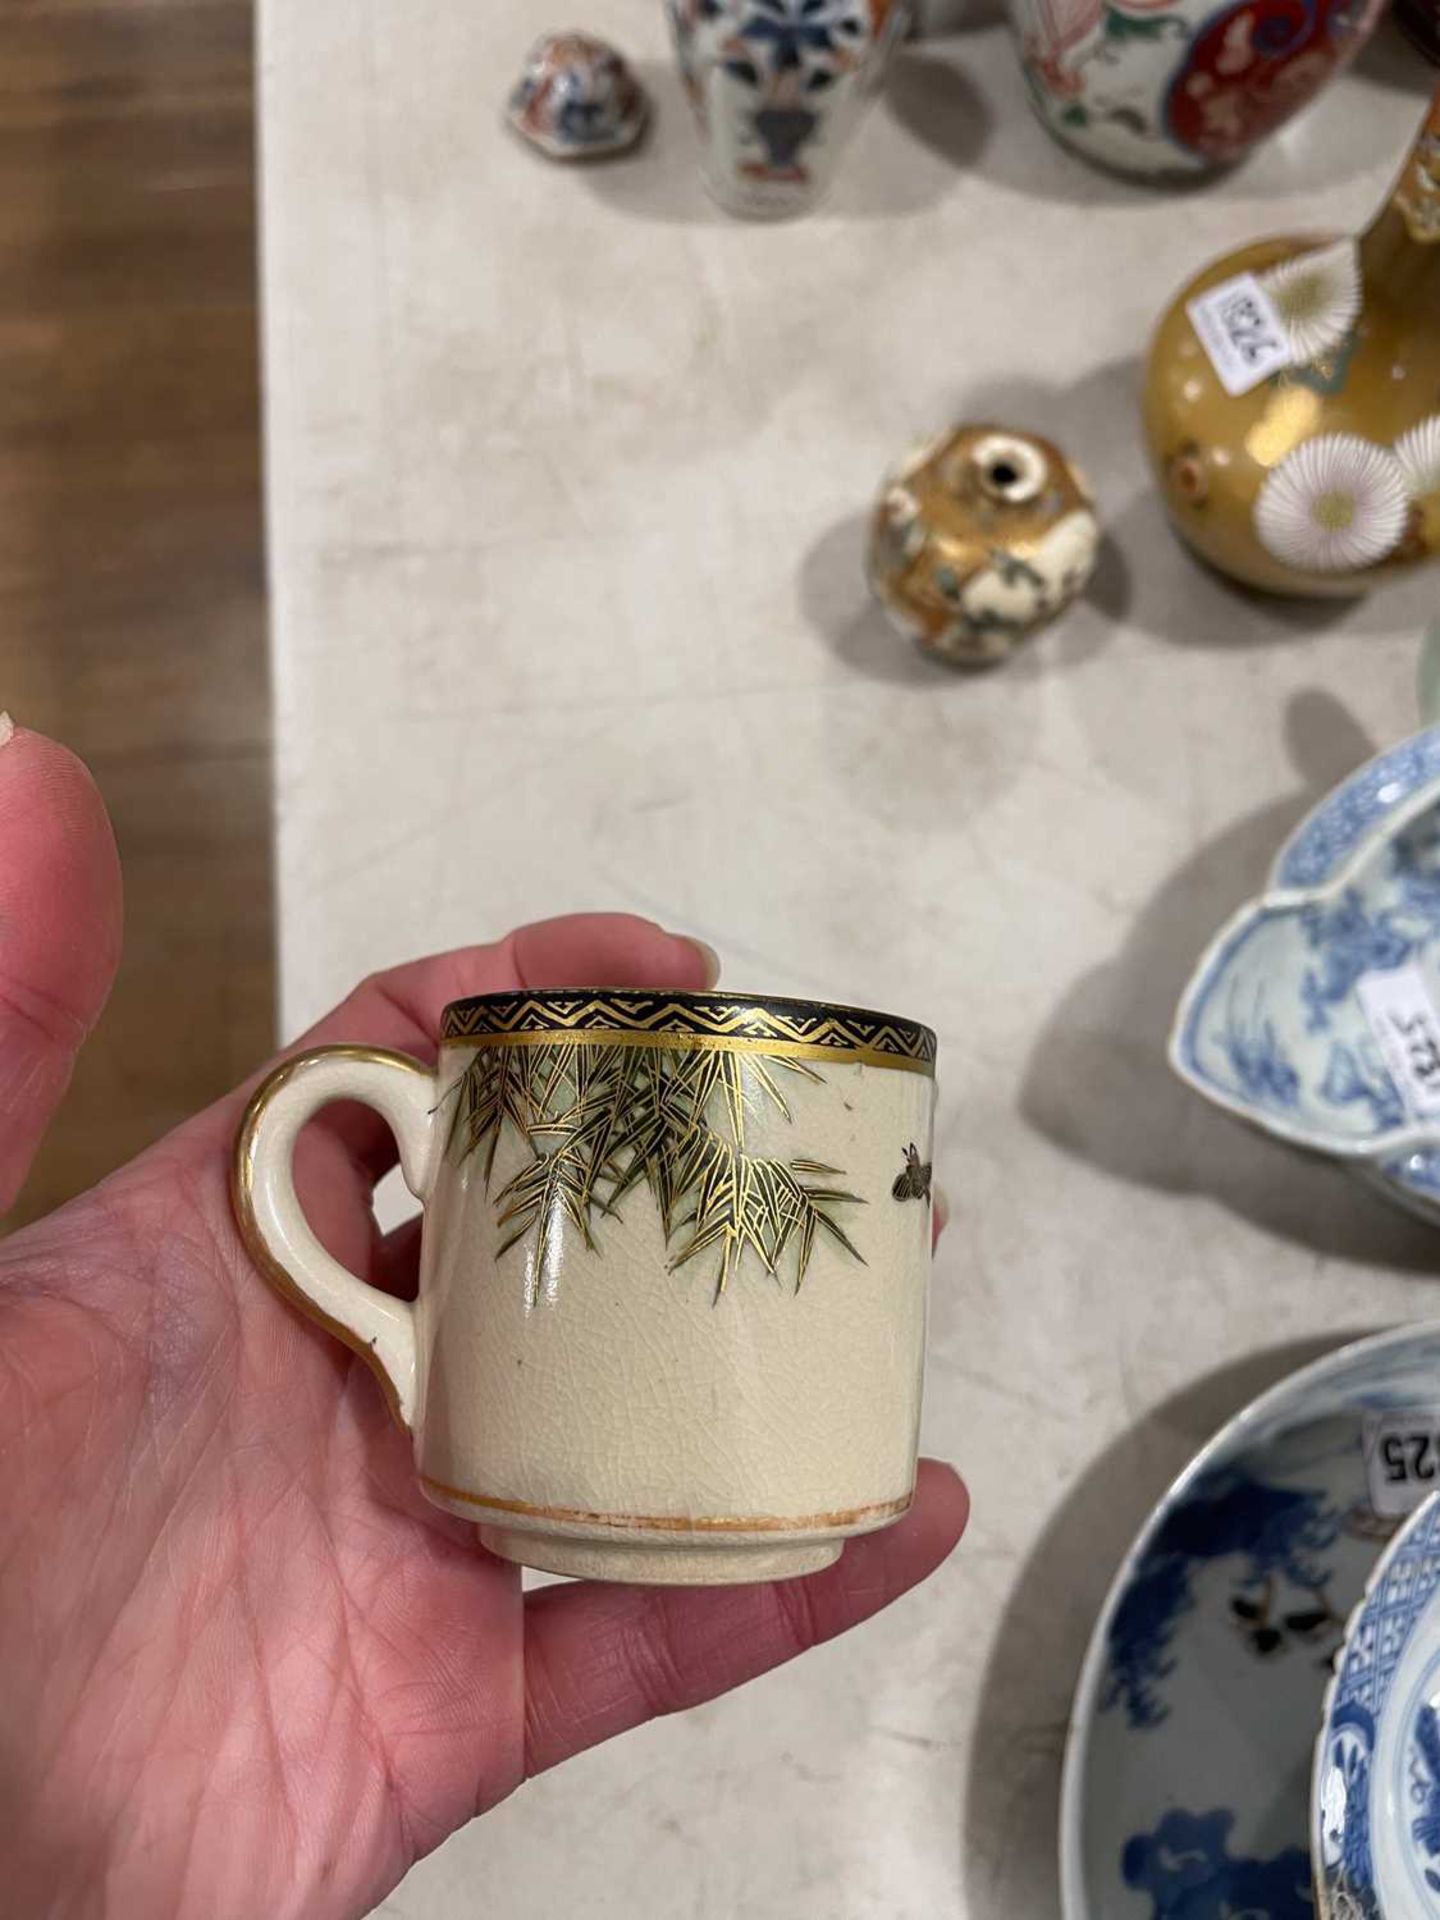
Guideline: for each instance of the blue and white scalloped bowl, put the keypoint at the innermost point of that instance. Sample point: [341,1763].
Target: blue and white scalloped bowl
[1187,1784]
[1272,1026]
[1375,1796]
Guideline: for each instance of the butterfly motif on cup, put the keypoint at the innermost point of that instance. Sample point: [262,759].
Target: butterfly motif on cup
[913,1181]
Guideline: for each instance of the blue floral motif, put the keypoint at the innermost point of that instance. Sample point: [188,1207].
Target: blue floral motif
[1140,1633]
[1348,815]
[792,28]
[1354,1074]
[1273,1024]
[1350,943]
[1258,1058]
[1395,1607]
[1187,1869]
[1426,1826]
[1344,1796]
[1415,864]
[1418,1171]
[1276,1533]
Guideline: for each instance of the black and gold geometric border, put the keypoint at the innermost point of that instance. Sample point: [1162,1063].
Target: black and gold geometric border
[803,1029]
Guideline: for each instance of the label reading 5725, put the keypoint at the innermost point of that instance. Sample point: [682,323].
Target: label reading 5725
[1402,1460]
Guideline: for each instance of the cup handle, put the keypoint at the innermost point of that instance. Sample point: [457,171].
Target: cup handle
[272,1223]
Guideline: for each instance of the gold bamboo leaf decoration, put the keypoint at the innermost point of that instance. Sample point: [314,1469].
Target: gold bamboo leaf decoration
[600,1120]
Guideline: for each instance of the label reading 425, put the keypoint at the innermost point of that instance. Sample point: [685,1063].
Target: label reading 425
[1402,1460]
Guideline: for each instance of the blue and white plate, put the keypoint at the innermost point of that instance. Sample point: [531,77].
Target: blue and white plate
[1375,1803]
[1273,1025]
[1187,1774]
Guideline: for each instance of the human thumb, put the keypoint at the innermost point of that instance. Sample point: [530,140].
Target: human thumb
[60,929]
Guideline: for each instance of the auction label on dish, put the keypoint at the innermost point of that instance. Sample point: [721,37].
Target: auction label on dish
[1240,330]
[1406,1027]
[1402,1460]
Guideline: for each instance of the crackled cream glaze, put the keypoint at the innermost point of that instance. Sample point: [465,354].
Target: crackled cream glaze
[601,1396]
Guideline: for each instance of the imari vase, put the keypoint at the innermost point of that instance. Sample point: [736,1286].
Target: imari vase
[778,87]
[1180,86]
[1292,399]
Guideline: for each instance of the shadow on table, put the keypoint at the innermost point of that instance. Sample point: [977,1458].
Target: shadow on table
[1093,422]
[1191,605]
[934,99]
[1154,582]
[1149,577]
[1325,147]
[928,91]
[1010,1819]
[940,19]
[837,602]
[835,597]
[1098,1084]
[662,182]
[1389,60]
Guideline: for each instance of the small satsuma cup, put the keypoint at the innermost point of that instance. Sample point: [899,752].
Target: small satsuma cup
[671,1312]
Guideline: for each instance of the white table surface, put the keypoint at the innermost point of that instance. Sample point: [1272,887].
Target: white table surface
[567,475]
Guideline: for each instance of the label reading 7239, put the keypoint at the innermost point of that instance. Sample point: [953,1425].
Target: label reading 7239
[1241,332]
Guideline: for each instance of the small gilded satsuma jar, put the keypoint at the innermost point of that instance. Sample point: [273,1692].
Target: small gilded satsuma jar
[577,99]
[778,87]
[979,538]
[1292,400]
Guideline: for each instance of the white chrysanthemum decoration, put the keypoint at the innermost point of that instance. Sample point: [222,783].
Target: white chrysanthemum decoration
[1335,503]
[1418,452]
[1317,297]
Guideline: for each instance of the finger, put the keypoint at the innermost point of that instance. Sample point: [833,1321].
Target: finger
[939,1215]
[402,1008]
[396,1263]
[60,925]
[601,1659]
[341,1157]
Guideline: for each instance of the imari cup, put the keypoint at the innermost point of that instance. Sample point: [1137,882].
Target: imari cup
[671,1312]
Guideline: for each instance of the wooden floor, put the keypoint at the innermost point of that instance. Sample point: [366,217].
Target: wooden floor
[131,588]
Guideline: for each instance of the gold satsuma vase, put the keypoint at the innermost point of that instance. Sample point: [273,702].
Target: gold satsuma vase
[1292,399]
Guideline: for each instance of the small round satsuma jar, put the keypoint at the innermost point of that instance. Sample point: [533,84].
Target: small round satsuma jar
[1292,399]
[1165,87]
[778,88]
[979,538]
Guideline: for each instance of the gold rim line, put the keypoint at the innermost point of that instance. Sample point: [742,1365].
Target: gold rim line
[675,1523]
[242,1201]
[696,1043]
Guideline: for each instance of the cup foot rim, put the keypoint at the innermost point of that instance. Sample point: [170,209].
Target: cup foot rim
[662,1563]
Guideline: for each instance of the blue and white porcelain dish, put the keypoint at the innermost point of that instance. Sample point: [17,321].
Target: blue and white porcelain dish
[1273,1026]
[1186,1792]
[1375,1799]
